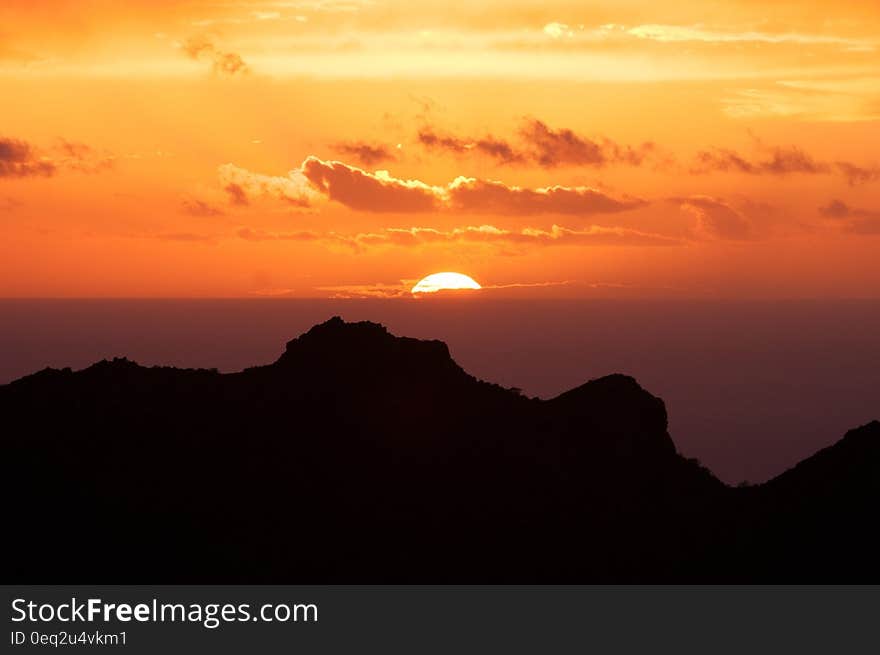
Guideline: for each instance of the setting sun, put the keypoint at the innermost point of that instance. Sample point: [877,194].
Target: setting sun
[447,280]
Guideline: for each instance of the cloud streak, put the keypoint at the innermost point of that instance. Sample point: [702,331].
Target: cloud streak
[697,33]
[249,234]
[541,145]
[781,161]
[563,147]
[403,290]
[19,158]
[376,290]
[546,147]
[498,149]
[380,192]
[488,235]
[187,237]
[487,196]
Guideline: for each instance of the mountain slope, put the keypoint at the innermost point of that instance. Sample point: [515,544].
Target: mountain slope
[359,456]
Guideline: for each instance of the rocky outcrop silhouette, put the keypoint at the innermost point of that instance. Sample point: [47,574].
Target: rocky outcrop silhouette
[363,457]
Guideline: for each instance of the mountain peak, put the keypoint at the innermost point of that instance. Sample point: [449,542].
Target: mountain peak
[358,347]
[335,328]
[618,405]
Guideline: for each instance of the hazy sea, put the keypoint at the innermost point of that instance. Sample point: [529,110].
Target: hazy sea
[750,387]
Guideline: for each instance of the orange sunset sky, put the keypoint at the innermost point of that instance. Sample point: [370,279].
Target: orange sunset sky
[722,148]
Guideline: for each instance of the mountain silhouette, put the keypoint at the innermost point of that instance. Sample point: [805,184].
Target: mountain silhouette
[363,457]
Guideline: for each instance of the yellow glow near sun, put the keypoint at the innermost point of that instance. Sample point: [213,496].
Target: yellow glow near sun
[447,280]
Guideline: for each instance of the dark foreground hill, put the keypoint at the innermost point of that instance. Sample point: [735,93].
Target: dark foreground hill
[359,456]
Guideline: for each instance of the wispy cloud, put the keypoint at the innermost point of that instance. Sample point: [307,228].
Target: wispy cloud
[273,292]
[19,158]
[404,288]
[559,147]
[236,194]
[852,219]
[249,234]
[780,160]
[716,219]
[476,235]
[488,145]
[368,154]
[541,145]
[76,156]
[223,62]
[699,33]
[242,185]
[201,208]
[819,100]
[187,237]
[528,285]
[375,290]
